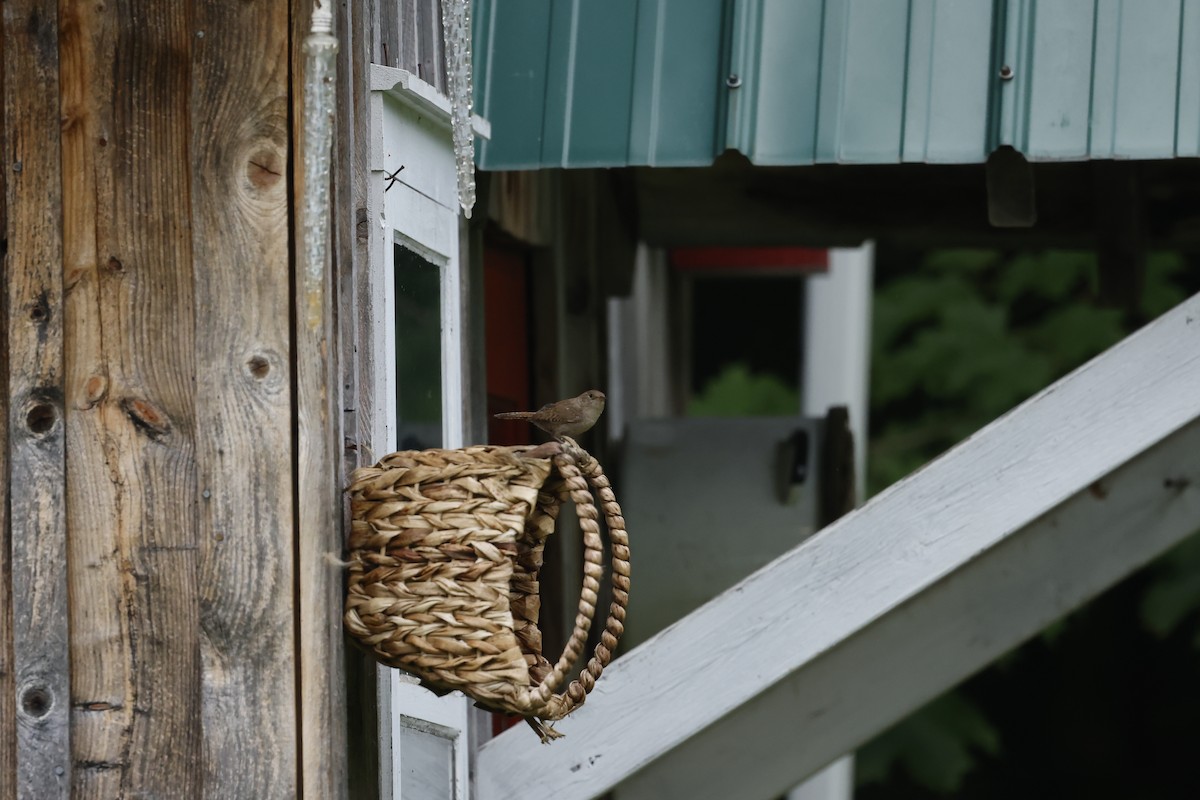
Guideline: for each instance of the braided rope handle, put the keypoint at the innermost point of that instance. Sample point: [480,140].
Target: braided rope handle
[578,469]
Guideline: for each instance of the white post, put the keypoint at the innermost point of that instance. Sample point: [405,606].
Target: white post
[835,371]
[837,344]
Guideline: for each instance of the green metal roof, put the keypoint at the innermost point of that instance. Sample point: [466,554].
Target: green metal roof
[591,83]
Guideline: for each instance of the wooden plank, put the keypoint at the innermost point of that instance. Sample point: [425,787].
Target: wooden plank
[36,437]
[240,201]
[875,565]
[366,714]
[102,660]
[372,8]
[371,418]
[392,44]
[430,66]
[130,396]
[408,55]
[8,712]
[8,692]
[321,688]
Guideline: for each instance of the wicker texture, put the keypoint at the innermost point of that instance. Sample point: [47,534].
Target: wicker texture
[445,549]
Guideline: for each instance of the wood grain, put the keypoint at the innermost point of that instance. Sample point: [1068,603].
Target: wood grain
[36,438]
[321,688]
[8,693]
[352,174]
[239,158]
[102,658]
[430,66]
[130,396]
[393,50]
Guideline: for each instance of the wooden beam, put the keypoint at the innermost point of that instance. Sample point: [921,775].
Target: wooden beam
[36,436]
[900,599]
[240,244]
[971,618]
[321,689]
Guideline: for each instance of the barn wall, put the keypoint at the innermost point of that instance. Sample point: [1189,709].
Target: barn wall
[170,452]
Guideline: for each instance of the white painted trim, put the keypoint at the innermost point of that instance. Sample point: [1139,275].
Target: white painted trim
[835,780]
[450,713]
[381,437]
[374,442]
[417,94]
[388,373]
[900,599]
[453,402]
[406,217]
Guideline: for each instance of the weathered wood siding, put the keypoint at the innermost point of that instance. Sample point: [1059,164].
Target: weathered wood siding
[408,35]
[131,398]
[36,429]
[8,709]
[240,200]
[368,722]
[170,451]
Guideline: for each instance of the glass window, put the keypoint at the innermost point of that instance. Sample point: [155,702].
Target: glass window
[418,351]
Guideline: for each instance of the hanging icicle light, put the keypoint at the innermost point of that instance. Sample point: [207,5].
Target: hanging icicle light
[456,24]
[320,51]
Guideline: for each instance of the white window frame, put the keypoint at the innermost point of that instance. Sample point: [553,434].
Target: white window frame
[410,126]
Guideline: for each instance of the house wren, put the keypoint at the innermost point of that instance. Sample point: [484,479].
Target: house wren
[566,417]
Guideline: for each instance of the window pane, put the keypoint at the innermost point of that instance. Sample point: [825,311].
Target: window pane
[418,352]
[426,764]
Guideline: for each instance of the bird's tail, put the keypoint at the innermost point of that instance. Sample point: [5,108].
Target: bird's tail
[514,415]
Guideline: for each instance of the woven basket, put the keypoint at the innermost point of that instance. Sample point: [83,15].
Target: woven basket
[445,549]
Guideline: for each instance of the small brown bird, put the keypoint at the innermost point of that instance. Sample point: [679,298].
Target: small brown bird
[566,417]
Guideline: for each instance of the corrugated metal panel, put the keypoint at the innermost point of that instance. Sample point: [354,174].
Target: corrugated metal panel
[1095,78]
[947,82]
[677,104]
[676,82]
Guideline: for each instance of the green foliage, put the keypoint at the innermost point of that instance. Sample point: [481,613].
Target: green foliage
[737,392]
[935,747]
[1171,602]
[957,341]
[967,336]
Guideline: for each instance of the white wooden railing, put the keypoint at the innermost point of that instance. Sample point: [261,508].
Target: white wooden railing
[898,601]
